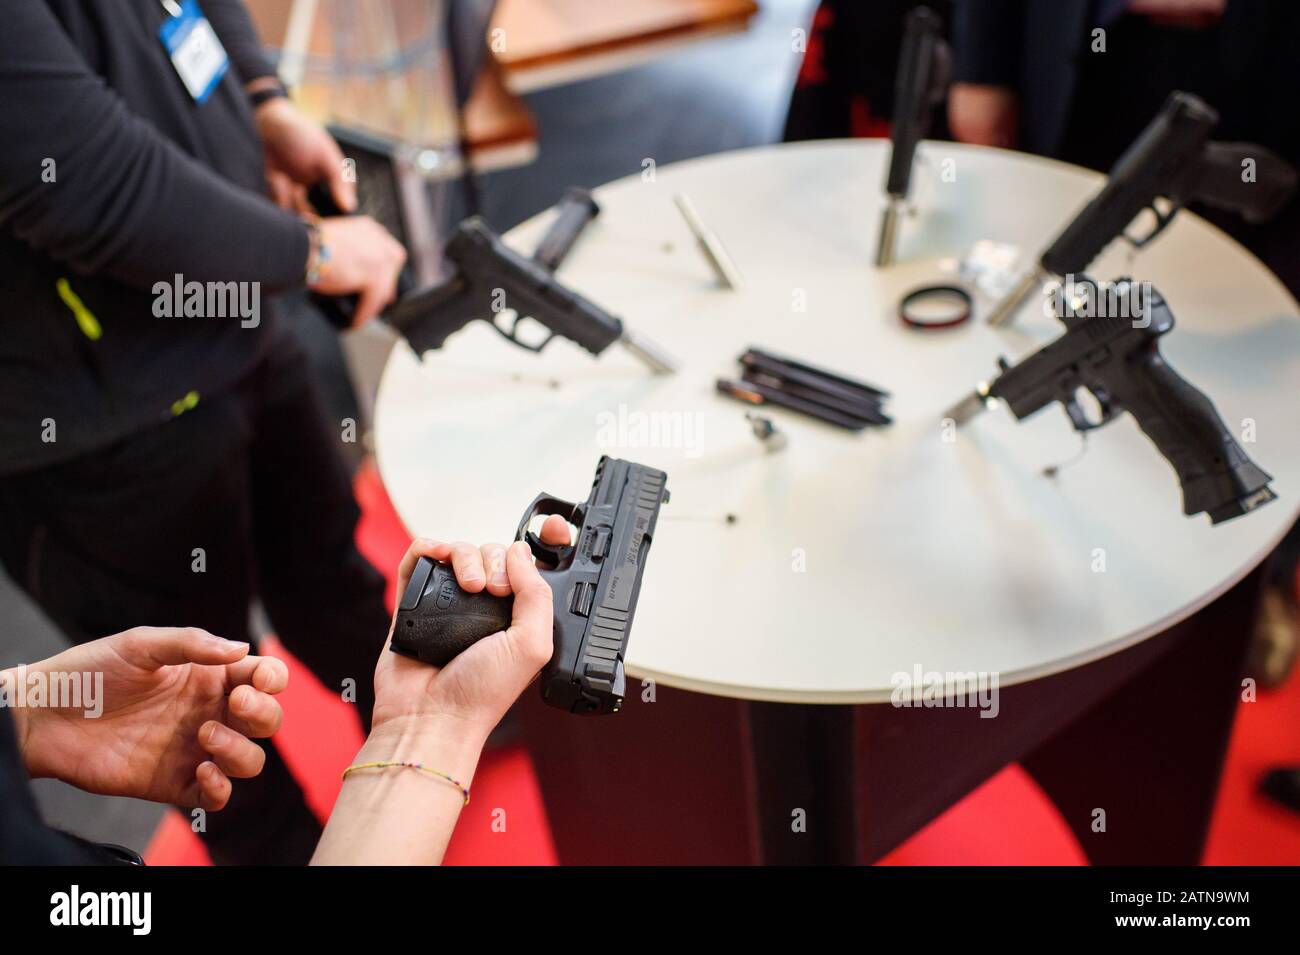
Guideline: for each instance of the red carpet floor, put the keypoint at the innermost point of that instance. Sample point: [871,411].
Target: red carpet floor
[1006,821]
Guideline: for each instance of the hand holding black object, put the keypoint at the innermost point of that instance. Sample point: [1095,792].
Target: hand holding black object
[364,259]
[481,683]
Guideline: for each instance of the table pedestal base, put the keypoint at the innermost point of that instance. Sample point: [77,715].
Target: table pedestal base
[691,779]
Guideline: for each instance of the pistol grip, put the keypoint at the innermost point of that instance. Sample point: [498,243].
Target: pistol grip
[1221,182]
[340,309]
[437,620]
[428,317]
[1216,475]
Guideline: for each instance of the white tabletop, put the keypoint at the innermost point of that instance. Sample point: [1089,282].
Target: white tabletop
[951,556]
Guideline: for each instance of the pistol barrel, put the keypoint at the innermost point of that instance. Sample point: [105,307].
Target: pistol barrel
[888,241]
[974,403]
[1005,311]
[654,357]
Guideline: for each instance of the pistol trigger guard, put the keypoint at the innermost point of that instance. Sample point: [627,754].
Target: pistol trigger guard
[1162,222]
[510,335]
[553,554]
[513,338]
[539,346]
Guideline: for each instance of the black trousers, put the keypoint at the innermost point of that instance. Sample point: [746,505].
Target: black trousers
[245,496]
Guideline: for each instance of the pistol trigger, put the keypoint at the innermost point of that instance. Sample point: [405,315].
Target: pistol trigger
[547,504]
[552,554]
[1077,416]
[1104,404]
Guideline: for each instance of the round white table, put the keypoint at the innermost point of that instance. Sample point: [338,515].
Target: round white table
[852,558]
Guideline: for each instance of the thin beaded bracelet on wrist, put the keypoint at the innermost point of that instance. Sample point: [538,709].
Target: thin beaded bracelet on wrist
[389,763]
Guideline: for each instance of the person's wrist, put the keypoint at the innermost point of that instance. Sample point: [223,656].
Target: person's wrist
[264,90]
[271,115]
[440,741]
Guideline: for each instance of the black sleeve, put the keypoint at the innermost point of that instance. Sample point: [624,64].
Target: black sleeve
[238,35]
[986,40]
[126,201]
[1260,51]
[24,838]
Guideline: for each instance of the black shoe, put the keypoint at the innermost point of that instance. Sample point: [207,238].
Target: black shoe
[1283,785]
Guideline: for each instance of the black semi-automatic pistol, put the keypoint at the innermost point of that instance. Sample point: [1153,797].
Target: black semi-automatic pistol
[595,582]
[1118,360]
[493,282]
[924,70]
[1173,162]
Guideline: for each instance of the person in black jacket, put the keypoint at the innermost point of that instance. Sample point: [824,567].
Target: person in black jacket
[163,455]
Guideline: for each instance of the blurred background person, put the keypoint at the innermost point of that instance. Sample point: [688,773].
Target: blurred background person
[845,84]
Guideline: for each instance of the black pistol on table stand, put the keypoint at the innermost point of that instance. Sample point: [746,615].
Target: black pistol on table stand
[1174,160]
[1119,362]
[924,70]
[491,278]
[595,583]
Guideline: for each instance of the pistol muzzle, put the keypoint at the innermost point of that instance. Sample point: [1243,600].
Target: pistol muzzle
[655,358]
[1006,309]
[970,406]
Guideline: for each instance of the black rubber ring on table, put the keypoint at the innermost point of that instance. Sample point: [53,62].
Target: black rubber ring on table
[927,291]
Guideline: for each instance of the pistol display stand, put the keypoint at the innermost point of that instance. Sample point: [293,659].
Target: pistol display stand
[853,558]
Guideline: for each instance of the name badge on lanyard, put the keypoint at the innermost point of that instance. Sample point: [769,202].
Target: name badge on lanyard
[192,44]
